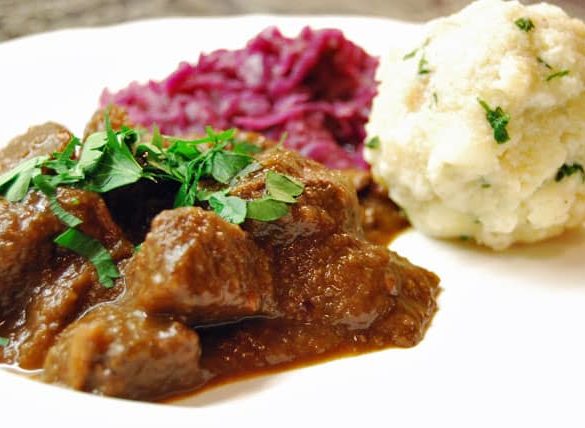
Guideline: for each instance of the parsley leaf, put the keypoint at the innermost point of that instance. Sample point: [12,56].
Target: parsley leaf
[91,153]
[266,209]
[94,251]
[184,148]
[187,194]
[422,66]
[283,188]
[373,143]
[525,24]
[557,75]
[249,169]
[116,167]
[567,170]
[15,183]
[245,148]
[70,220]
[498,120]
[282,139]
[230,208]
[543,62]
[413,53]
[62,162]
[410,55]
[226,165]
[435,99]
[4,341]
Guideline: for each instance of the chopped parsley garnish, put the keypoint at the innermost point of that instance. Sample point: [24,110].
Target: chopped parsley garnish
[266,209]
[373,143]
[554,74]
[15,183]
[410,55]
[422,66]
[110,160]
[422,62]
[4,341]
[525,24]
[68,219]
[92,250]
[115,167]
[557,75]
[283,188]
[543,62]
[498,120]
[230,208]
[567,170]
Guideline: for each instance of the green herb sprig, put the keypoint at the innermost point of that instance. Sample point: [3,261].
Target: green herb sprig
[557,75]
[525,24]
[110,160]
[554,74]
[373,143]
[92,250]
[4,341]
[567,170]
[498,120]
[422,67]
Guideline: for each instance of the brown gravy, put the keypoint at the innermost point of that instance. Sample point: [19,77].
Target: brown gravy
[204,301]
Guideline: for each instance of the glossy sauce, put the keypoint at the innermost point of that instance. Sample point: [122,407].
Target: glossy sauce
[301,290]
[256,347]
[268,341]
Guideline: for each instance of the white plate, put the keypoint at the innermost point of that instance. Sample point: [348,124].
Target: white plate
[506,347]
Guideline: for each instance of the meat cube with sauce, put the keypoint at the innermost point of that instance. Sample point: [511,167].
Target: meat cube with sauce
[25,244]
[121,352]
[197,266]
[39,140]
[327,205]
[327,272]
[44,287]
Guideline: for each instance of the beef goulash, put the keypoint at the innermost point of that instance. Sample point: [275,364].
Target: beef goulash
[141,266]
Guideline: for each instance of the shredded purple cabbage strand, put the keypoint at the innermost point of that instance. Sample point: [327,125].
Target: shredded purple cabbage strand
[317,87]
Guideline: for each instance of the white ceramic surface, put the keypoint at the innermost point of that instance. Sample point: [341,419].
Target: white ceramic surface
[505,349]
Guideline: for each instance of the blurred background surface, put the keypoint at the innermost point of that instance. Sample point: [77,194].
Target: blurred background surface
[22,17]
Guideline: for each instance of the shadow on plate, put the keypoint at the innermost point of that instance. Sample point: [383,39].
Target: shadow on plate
[557,262]
[552,247]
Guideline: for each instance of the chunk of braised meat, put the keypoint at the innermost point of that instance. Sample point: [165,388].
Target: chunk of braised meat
[48,286]
[341,310]
[327,271]
[37,141]
[25,244]
[335,291]
[415,306]
[196,266]
[338,280]
[124,353]
[327,205]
